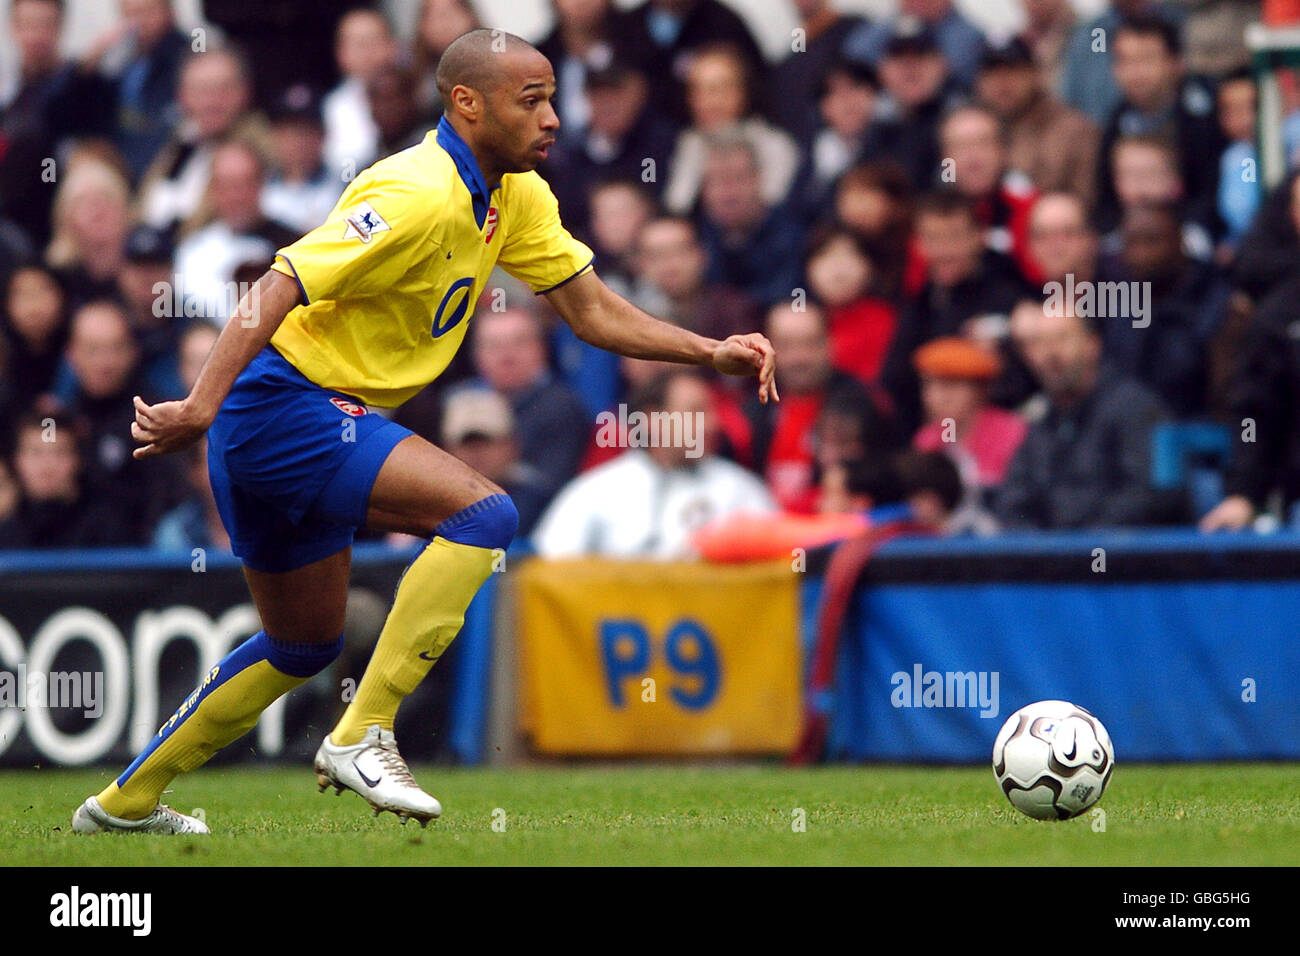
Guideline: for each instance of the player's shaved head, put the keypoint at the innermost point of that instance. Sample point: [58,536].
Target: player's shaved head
[474,59]
[496,94]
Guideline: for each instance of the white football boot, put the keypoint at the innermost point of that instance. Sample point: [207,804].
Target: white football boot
[92,818]
[375,770]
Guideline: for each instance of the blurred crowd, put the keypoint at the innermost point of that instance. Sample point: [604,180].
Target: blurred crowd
[1030,281]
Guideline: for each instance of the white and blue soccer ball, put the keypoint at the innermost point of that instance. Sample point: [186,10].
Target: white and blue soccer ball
[1053,760]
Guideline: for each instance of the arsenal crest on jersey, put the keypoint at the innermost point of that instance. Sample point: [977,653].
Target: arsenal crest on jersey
[491,225]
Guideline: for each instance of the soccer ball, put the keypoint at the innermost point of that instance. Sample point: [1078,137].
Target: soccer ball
[1052,759]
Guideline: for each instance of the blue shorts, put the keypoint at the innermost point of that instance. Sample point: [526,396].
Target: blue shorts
[292,465]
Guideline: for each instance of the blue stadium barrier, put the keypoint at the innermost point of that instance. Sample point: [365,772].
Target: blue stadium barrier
[1184,646]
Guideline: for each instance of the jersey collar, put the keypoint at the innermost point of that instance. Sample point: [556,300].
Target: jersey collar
[467,166]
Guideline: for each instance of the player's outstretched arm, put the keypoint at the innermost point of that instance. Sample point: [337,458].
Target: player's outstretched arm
[603,318]
[171,426]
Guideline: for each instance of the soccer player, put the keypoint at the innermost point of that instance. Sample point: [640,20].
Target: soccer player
[366,310]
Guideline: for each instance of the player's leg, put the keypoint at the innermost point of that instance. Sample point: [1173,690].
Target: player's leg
[299,639]
[424,491]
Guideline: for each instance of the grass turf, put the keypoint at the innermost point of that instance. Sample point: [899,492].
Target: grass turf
[1179,815]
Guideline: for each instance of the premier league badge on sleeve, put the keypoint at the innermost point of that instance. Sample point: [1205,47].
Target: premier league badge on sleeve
[364,222]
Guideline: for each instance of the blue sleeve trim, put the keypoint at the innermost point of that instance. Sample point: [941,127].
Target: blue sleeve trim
[294,269]
[589,264]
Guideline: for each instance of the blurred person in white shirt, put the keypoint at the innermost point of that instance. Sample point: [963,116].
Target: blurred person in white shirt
[648,502]
[364,45]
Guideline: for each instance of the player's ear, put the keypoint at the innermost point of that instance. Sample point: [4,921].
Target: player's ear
[468,102]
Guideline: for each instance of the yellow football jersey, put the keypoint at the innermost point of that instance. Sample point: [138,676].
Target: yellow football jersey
[393,274]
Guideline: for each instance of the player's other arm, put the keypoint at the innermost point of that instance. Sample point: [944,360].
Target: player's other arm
[603,318]
[170,426]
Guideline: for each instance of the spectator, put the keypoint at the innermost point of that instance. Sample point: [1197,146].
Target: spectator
[959,41]
[195,522]
[478,427]
[395,110]
[440,22]
[145,287]
[841,276]
[550,420]
[214,94]
[1052,144]
[56,508]
[802,73]
[972,138]
[873,201]
[206,260]
[721,101]
[1263,400]
[979,437]
[1164,344]
[1270,251]
[363,47]
[301,190]
[670,268]
[1088,79]
[144,93]
[965,281]
[671,32]
[35,331]
[1239,194]
[104,360]
[931,489]
[55,102]
[846,103]
[91,220]
[1145,170]
[782,442]
[918,91]
[590,37]
[848,459]
[1061,240]
[1156,99]
[753,246]
[675,476]
[623,139]
[1049,25]
[620,209]
[1087,462]
[196,342]
[286,41]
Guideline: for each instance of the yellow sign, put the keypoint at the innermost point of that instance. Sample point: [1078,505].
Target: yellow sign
[633,657]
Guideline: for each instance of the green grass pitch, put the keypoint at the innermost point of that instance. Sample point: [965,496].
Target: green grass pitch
[1179,815]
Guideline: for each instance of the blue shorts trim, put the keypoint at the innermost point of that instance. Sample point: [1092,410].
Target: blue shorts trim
[292,465]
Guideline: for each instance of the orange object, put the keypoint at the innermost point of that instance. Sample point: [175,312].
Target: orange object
[756,537]
[956,357]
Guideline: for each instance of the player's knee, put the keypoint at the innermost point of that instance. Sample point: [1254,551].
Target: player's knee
[490,522]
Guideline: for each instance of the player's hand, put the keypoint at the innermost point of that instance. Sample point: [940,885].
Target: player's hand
[166,427]
[750,354]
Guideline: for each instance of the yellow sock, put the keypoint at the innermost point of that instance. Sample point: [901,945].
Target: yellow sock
[427,614]
[219,711]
